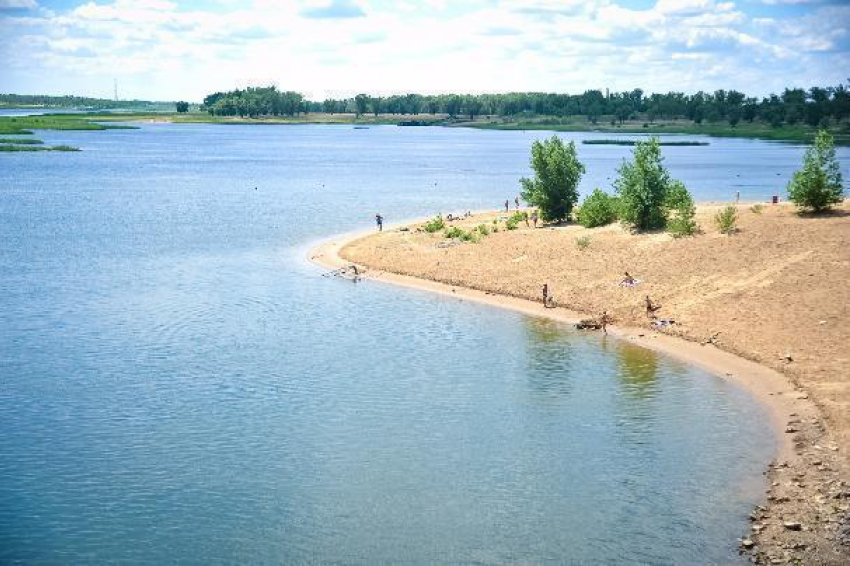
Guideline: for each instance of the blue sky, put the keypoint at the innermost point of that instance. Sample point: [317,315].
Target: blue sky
[169,49]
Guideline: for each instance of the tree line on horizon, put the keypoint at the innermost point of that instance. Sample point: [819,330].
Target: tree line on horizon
[72,101]
[816,106]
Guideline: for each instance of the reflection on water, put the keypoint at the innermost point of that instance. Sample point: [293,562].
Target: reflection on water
[550,356]
[637,370]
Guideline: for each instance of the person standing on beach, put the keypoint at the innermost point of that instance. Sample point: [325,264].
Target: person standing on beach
[651,308]
[379,220]
[507,207]
[604,320]
[516,201]
[545,294]
[534,218]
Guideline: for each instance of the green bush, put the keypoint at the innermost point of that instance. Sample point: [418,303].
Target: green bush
[435,224]
[483,230]
[517,217]
[727,220]
[557,171]
[817,186]
[598,209]
[681,211]
[583,242]
[453,232]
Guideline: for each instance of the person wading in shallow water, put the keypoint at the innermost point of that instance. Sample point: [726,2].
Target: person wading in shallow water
[379,220]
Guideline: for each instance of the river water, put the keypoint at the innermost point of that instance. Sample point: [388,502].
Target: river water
[177,383]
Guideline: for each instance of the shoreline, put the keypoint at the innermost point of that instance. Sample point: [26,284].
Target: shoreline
[795,418]
[84,120]
[768,386]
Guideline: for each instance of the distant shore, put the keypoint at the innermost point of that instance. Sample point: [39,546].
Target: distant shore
[718,311]
[93,121]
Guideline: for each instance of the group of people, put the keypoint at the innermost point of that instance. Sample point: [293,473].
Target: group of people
[605,319]
[450,217]
[507,204]
[533,217]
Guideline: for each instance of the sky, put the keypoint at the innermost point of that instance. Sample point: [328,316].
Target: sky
[171,50]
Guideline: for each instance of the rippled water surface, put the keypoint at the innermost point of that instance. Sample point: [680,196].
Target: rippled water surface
[179,385]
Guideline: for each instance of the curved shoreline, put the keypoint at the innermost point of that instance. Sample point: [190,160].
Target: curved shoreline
[768,386]
[789,407]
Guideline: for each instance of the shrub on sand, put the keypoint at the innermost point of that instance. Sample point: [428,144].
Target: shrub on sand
[682,212]
[598,209]
[727,220]
[435,224]
[817,186]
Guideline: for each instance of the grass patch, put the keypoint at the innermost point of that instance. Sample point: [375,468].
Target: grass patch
[633,142]
[25,124]
[435,224]
[13,148]
[460,234]
[583,243]
[761,130]
[24,141]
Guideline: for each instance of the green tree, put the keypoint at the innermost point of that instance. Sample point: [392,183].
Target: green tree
[182,106]
[643,185]
[453,104]
[557,171]
[817,186]
[361,104]
[680,203]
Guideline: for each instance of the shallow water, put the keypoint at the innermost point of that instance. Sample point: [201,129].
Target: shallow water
[178,384]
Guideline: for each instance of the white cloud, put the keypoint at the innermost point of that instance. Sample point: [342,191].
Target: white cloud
[158,49]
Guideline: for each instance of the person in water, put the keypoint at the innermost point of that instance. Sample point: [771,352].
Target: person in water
[379,220]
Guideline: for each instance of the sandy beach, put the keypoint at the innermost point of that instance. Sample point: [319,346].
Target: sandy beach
[765,307]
